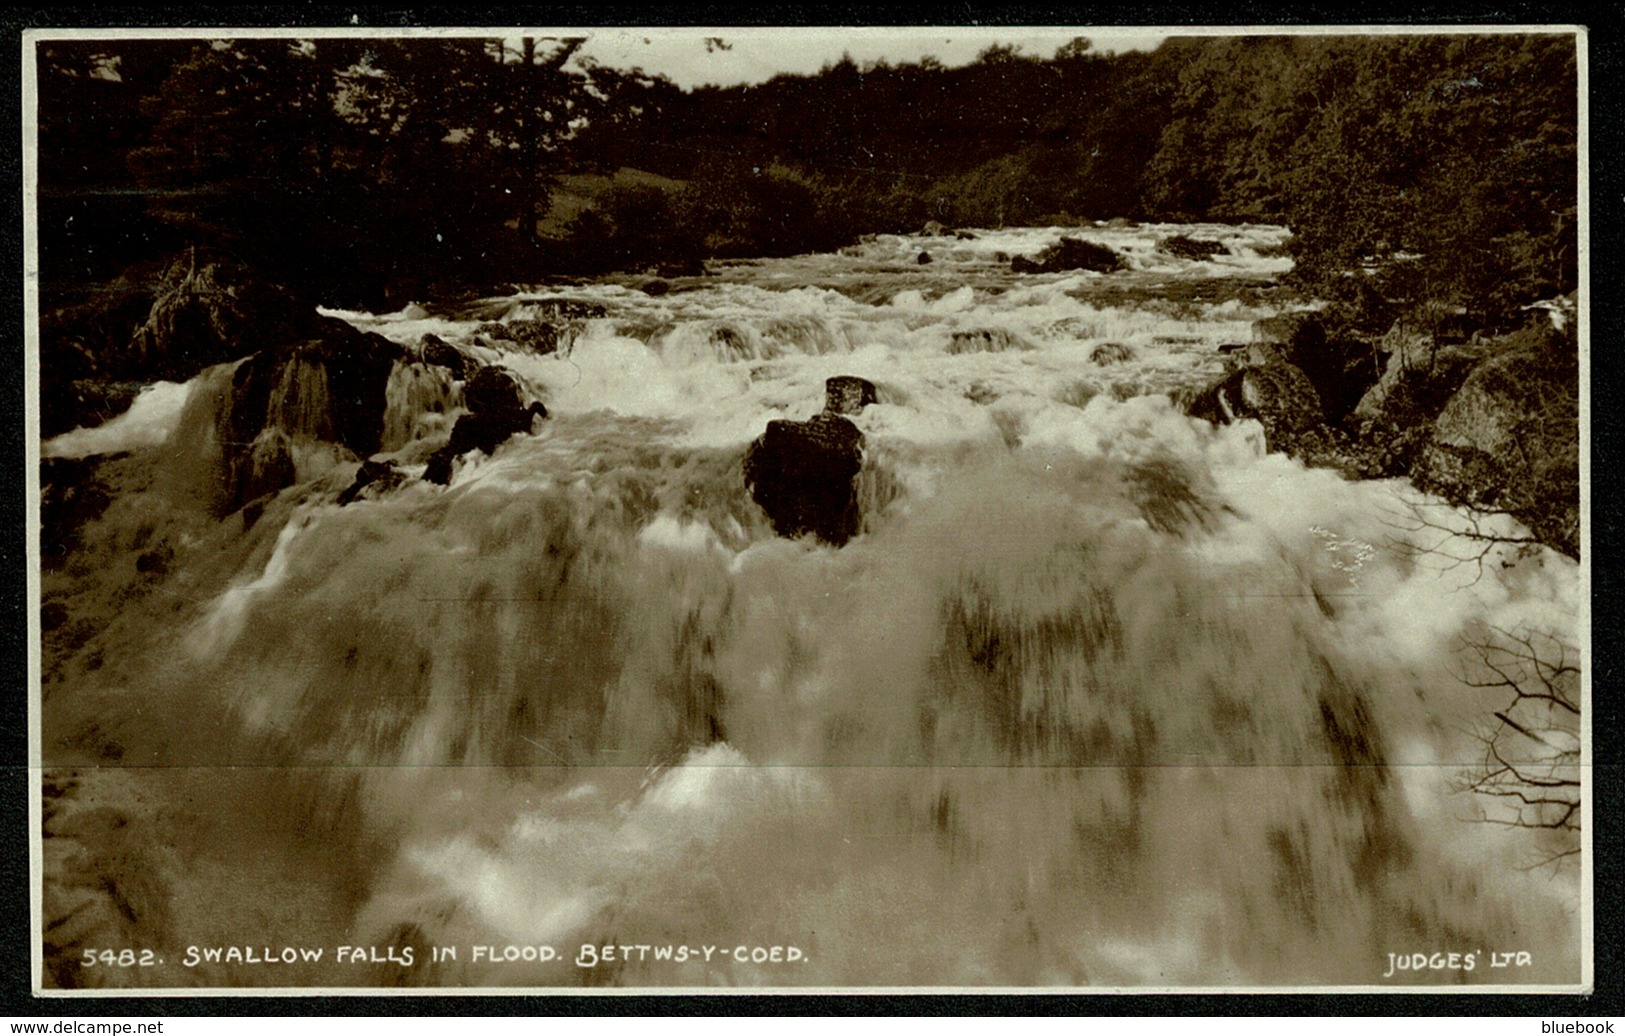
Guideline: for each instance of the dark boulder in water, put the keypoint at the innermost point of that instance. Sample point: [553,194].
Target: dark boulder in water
[655,286]
[1070,253]
[536,336]
[329,387]
[1183,247]
[924,259]
[847,394]
[497,412]
[493,390]
[804,475]
[1340,370]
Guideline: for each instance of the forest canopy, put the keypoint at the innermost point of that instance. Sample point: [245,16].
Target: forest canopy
[375,171]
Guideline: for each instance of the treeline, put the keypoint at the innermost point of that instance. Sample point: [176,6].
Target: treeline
[1409,168]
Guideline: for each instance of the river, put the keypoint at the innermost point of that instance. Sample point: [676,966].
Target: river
[1100,695]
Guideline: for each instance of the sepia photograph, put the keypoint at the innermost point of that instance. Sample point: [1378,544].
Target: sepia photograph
[879,509]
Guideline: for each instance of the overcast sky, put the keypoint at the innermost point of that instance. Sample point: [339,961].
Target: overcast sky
[754,55]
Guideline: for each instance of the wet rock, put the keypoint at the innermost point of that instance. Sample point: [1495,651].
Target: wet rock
[375,477]
[847,394]
[497,412]
[934,229]
[535,336]
[1110,352]
[1341,370]
[1277,395]
[1183,247]
[964,235]
[803,474]
[1070,253]
[655,287]
[986,340]
[551,308]
[330,388]
[924,259]
[441,353]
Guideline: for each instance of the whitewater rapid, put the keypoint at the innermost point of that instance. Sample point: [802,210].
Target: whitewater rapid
[1101,695]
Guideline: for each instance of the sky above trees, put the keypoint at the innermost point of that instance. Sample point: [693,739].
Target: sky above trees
[731,56]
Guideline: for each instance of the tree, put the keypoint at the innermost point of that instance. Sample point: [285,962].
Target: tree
[1529,775]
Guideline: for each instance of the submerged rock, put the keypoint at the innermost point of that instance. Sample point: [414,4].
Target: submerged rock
[1183,247]
[1110,352]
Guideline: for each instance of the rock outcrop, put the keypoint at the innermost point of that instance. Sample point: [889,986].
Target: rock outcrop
[1508,439]
[803,474]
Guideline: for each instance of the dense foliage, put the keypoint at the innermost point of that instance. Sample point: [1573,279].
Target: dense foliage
[1409,167]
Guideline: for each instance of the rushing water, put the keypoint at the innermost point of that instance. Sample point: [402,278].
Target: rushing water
[1100,695]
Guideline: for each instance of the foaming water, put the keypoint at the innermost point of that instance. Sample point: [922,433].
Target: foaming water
[1099,695]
